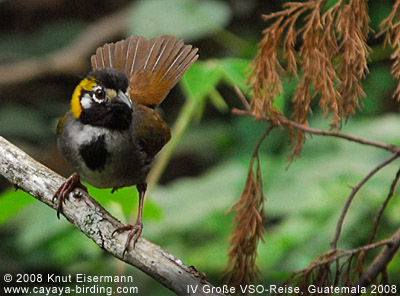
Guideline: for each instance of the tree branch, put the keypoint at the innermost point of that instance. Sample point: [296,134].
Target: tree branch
[96,223]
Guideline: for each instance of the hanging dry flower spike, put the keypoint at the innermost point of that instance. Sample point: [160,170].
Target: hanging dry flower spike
[390,27]
[241,269]
[330,62]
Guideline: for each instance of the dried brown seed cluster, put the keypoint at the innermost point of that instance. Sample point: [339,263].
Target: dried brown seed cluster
[331,57]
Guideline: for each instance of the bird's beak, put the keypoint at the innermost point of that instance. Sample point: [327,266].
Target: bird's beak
[122,98]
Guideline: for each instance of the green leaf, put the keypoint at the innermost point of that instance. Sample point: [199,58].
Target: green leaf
[218,101]
[126,198]
[279,102]
[151,210]
[125,202]
[187,19]
[201,79]
[11,202]
[235,71]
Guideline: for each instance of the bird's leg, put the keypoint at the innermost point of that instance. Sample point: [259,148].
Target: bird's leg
[134,230]
[69,185]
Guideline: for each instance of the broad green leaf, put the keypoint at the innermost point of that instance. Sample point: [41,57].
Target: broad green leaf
[127,198]
[218,101]
[187,19]
[279,102]
[235,71]
[201,79]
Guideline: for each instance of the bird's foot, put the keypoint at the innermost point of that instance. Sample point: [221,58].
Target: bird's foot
[134,233]
[65,189]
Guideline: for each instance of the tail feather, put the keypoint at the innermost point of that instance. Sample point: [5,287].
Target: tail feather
[171,60]
[153,66]
[155,45]
[108,54]
[129,59]
[139,55]
[119,53]
[186,63]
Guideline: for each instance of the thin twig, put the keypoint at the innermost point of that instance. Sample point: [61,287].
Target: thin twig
[96,223]
[380,262]
[260,141]
[354,192]
[310,130]
[343,253]
[242,97]
[383,206]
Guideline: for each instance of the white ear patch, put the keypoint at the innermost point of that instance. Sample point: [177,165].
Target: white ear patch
[86,101]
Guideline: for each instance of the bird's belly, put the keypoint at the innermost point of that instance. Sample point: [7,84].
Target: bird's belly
[116,173]
[104,158]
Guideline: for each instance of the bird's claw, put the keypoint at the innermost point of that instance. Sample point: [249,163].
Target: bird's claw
[65,189]
[134,233]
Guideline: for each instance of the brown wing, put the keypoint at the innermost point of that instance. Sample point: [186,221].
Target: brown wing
[152,132]
[153,66]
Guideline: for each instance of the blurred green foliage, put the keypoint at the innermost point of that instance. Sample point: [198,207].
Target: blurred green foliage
[188,19]
[189,216]
[47,39]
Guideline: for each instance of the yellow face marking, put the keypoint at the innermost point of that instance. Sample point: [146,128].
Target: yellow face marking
[86,84]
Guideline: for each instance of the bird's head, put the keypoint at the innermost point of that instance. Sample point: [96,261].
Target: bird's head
[102,99]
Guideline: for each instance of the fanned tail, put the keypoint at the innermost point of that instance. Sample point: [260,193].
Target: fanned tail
[153,66]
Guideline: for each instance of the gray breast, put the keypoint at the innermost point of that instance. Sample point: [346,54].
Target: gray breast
[102,157]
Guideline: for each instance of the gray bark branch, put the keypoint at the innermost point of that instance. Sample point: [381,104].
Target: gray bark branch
[96,223]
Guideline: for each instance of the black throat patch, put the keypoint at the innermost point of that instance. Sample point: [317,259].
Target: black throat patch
[118,116]
[95,154]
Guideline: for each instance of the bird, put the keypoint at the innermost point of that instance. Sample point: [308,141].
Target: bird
[112,131]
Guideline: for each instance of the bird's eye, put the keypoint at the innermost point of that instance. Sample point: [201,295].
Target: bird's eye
[99,93]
